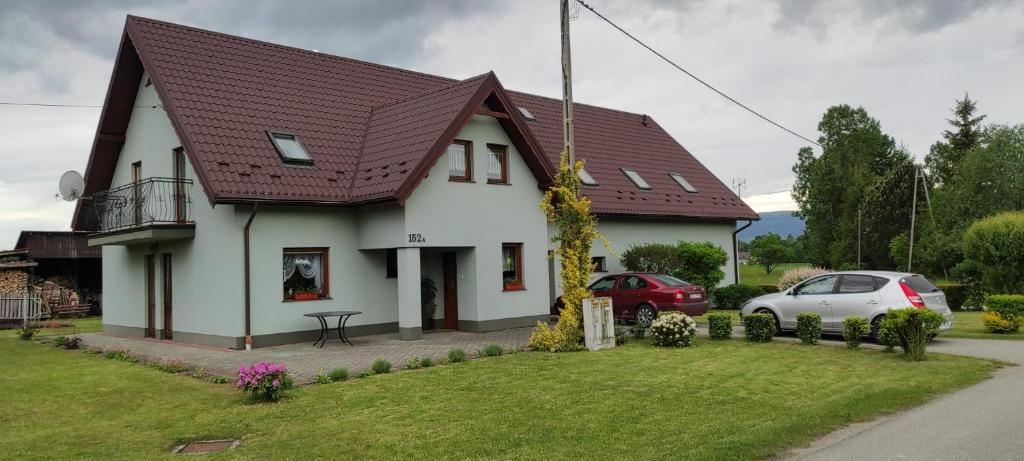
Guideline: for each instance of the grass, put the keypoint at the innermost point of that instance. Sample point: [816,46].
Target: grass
[719,401]
[79,325]
[753,274]
[968,325]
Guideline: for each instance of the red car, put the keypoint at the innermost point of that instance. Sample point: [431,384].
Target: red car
[640,296]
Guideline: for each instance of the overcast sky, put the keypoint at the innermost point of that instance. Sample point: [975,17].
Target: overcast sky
[904,61]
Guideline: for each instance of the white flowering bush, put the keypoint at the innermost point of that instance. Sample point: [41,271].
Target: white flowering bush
[799,274]
[673,330]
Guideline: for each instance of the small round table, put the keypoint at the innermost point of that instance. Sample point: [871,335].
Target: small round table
[342,316]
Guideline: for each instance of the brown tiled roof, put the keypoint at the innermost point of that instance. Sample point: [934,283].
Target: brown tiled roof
[372,130]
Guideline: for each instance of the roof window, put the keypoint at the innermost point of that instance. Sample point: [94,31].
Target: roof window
[683,183]
[289,148]
[586,178]
[636,178]
[526,113]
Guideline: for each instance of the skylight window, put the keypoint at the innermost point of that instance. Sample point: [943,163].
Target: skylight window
[586,178]
[636,178]
[290,149]
[526,113]
[683,183]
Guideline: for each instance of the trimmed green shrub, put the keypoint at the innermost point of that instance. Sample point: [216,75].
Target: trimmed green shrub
[651,257]
[60,341]
[854,329]
[768,288]
[199,373]
[412,362]
[888,335]
[735,296]
[426,362]
[759,328]
[620,335]
[456,355]
[338,374]
[914,328]
[321,377]
[121,355]
[1008,313]
[491,350]
[381,366]
[995,247]
[220,379]
[956,294]
[808,327]
[720,325]
[674,329]
[638,331]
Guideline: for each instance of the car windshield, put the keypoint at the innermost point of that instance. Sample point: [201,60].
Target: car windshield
[920,284]
[670,280]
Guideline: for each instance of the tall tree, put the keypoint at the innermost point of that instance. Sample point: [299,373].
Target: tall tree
[945,156]
[769,251]
[830,188]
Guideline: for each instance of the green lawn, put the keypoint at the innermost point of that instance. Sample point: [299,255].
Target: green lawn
[721,400]
[82,325]
[753,274]
[968,325]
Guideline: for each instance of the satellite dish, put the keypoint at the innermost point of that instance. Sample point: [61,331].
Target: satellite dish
[71,186]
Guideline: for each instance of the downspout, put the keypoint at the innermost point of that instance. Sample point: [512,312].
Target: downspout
[736,253]
[248,304]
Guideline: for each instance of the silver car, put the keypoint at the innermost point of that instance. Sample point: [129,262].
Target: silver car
[837,296]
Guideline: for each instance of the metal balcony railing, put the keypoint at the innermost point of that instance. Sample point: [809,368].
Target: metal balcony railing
[143,203]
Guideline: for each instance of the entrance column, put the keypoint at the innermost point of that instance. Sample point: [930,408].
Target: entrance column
[410,318]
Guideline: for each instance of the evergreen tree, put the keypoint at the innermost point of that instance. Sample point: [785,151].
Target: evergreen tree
[945,156]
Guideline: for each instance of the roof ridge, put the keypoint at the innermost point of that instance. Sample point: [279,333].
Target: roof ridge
[436,90]
[289,47]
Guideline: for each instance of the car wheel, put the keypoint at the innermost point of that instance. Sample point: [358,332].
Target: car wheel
[645,314]
[778,325]
[876,325]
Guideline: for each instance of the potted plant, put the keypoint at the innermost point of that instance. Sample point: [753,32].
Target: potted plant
[513,285]
[306,295]
[428,294]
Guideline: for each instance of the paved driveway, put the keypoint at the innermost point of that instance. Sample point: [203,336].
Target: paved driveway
[303,359]
[983,421]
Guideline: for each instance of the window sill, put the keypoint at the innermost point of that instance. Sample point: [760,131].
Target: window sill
[460,180]
[510,289]
[499,183]
[322,298]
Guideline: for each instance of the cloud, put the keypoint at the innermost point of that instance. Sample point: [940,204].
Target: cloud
[905,16]
[777,201]
[21,210]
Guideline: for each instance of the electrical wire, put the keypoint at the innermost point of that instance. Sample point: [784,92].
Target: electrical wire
[691,75]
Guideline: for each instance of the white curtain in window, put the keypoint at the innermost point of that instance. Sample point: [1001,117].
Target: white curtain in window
[457,160]
[494,165]
[309,265]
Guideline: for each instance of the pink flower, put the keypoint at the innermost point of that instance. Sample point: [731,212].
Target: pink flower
[276,383]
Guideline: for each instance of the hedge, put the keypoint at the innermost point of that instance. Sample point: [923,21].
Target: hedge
[995,246]
[1004,313]
[759,328]
[956,294]
[735,296]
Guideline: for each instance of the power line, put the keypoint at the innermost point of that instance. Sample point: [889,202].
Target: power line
[691,75]
[84,106]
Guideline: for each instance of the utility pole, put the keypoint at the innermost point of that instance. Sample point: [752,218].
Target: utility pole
[913,218]
[567,124]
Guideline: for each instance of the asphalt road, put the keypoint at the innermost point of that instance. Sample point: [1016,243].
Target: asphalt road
[981,422]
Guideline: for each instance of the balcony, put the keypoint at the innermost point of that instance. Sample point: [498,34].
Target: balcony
[147,211]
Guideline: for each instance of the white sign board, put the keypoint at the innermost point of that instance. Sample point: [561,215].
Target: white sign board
[598,323]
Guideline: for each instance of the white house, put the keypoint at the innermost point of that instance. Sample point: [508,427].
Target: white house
[235,185]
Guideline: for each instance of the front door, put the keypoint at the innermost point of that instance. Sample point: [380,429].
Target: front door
[167,297]
[451,291]
[150,273]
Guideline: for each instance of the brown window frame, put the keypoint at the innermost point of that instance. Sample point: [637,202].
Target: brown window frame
[599,263]
[504,163]
[137,192]
[391,263]
[468,177]
[519,268]
[325,293]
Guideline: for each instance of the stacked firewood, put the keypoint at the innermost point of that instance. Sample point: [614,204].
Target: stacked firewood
[13,281]
[56,291]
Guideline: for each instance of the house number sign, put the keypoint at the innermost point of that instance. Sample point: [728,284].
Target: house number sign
[417,238]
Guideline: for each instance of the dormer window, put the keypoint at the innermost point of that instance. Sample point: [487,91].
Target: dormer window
[586,178]
[636,178]
[290,149]
[683,183]
[526,113]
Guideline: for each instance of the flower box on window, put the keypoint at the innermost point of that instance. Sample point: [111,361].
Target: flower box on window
[513,286]
[306,296]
